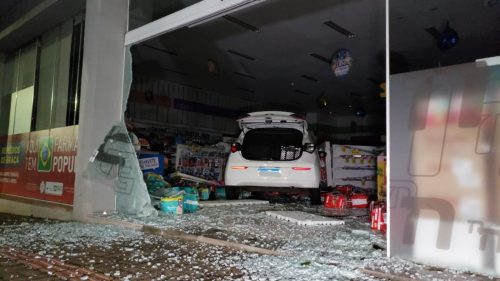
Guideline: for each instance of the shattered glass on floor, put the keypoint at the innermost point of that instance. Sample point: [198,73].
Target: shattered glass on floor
[311,252]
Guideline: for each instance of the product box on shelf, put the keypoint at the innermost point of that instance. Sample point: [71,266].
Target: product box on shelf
[204,162]
[151,163]
[381,177]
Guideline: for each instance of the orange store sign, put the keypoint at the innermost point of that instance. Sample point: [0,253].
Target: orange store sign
[39,165]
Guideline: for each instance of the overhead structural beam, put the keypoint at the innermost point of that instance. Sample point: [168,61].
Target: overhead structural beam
[193,15]
[26,18]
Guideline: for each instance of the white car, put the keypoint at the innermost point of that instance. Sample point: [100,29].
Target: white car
[274,152]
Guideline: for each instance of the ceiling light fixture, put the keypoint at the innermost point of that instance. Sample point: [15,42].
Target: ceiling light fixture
[244,75]
[360,112]
[175,71]
[320,57]
[302,92]
[246,90]
[307,77]
[241,23]
[322,102]
[339,29]
[160,50]
[241,55]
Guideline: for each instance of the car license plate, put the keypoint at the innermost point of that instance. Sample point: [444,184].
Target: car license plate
[265,171]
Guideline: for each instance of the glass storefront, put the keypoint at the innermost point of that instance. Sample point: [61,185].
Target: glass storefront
[40,83]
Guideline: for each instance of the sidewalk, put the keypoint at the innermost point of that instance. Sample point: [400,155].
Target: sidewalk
[340,252]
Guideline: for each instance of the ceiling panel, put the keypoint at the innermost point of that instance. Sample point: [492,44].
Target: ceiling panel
[282,51]
[477,23]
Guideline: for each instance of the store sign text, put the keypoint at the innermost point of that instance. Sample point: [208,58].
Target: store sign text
[52,154]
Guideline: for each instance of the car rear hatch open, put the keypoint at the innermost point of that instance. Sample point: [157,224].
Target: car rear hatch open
[272,144]
[272,119]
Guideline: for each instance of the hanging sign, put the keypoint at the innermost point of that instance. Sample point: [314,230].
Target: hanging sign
[341,62]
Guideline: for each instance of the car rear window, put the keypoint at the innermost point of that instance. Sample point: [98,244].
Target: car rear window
[272,144]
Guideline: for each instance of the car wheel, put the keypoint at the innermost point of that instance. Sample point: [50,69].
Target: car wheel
[232,192]
[315,196]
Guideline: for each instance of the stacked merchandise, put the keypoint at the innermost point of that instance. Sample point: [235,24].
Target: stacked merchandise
[354,179]
[356,166]
[171,200]
[184,196]
[381,177]
[378,216]
[180,200]
[196,176]
[203,162]
[346,200]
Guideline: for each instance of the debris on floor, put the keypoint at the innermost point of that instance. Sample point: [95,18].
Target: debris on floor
[313,252]
[219,203]
[302,218]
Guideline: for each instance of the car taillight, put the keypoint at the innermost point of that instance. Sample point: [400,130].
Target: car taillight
[301,168]
[309,147]
[239,167]
[235,147]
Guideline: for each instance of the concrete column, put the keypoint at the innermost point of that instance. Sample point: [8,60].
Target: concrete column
[2,73]
[101,97]
[4,102]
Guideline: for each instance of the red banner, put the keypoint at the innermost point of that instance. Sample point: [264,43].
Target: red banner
[40,165]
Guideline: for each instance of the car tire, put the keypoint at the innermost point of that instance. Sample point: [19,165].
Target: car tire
[232,192]
[315,196]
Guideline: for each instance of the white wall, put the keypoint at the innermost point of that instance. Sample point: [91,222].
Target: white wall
[170,116]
